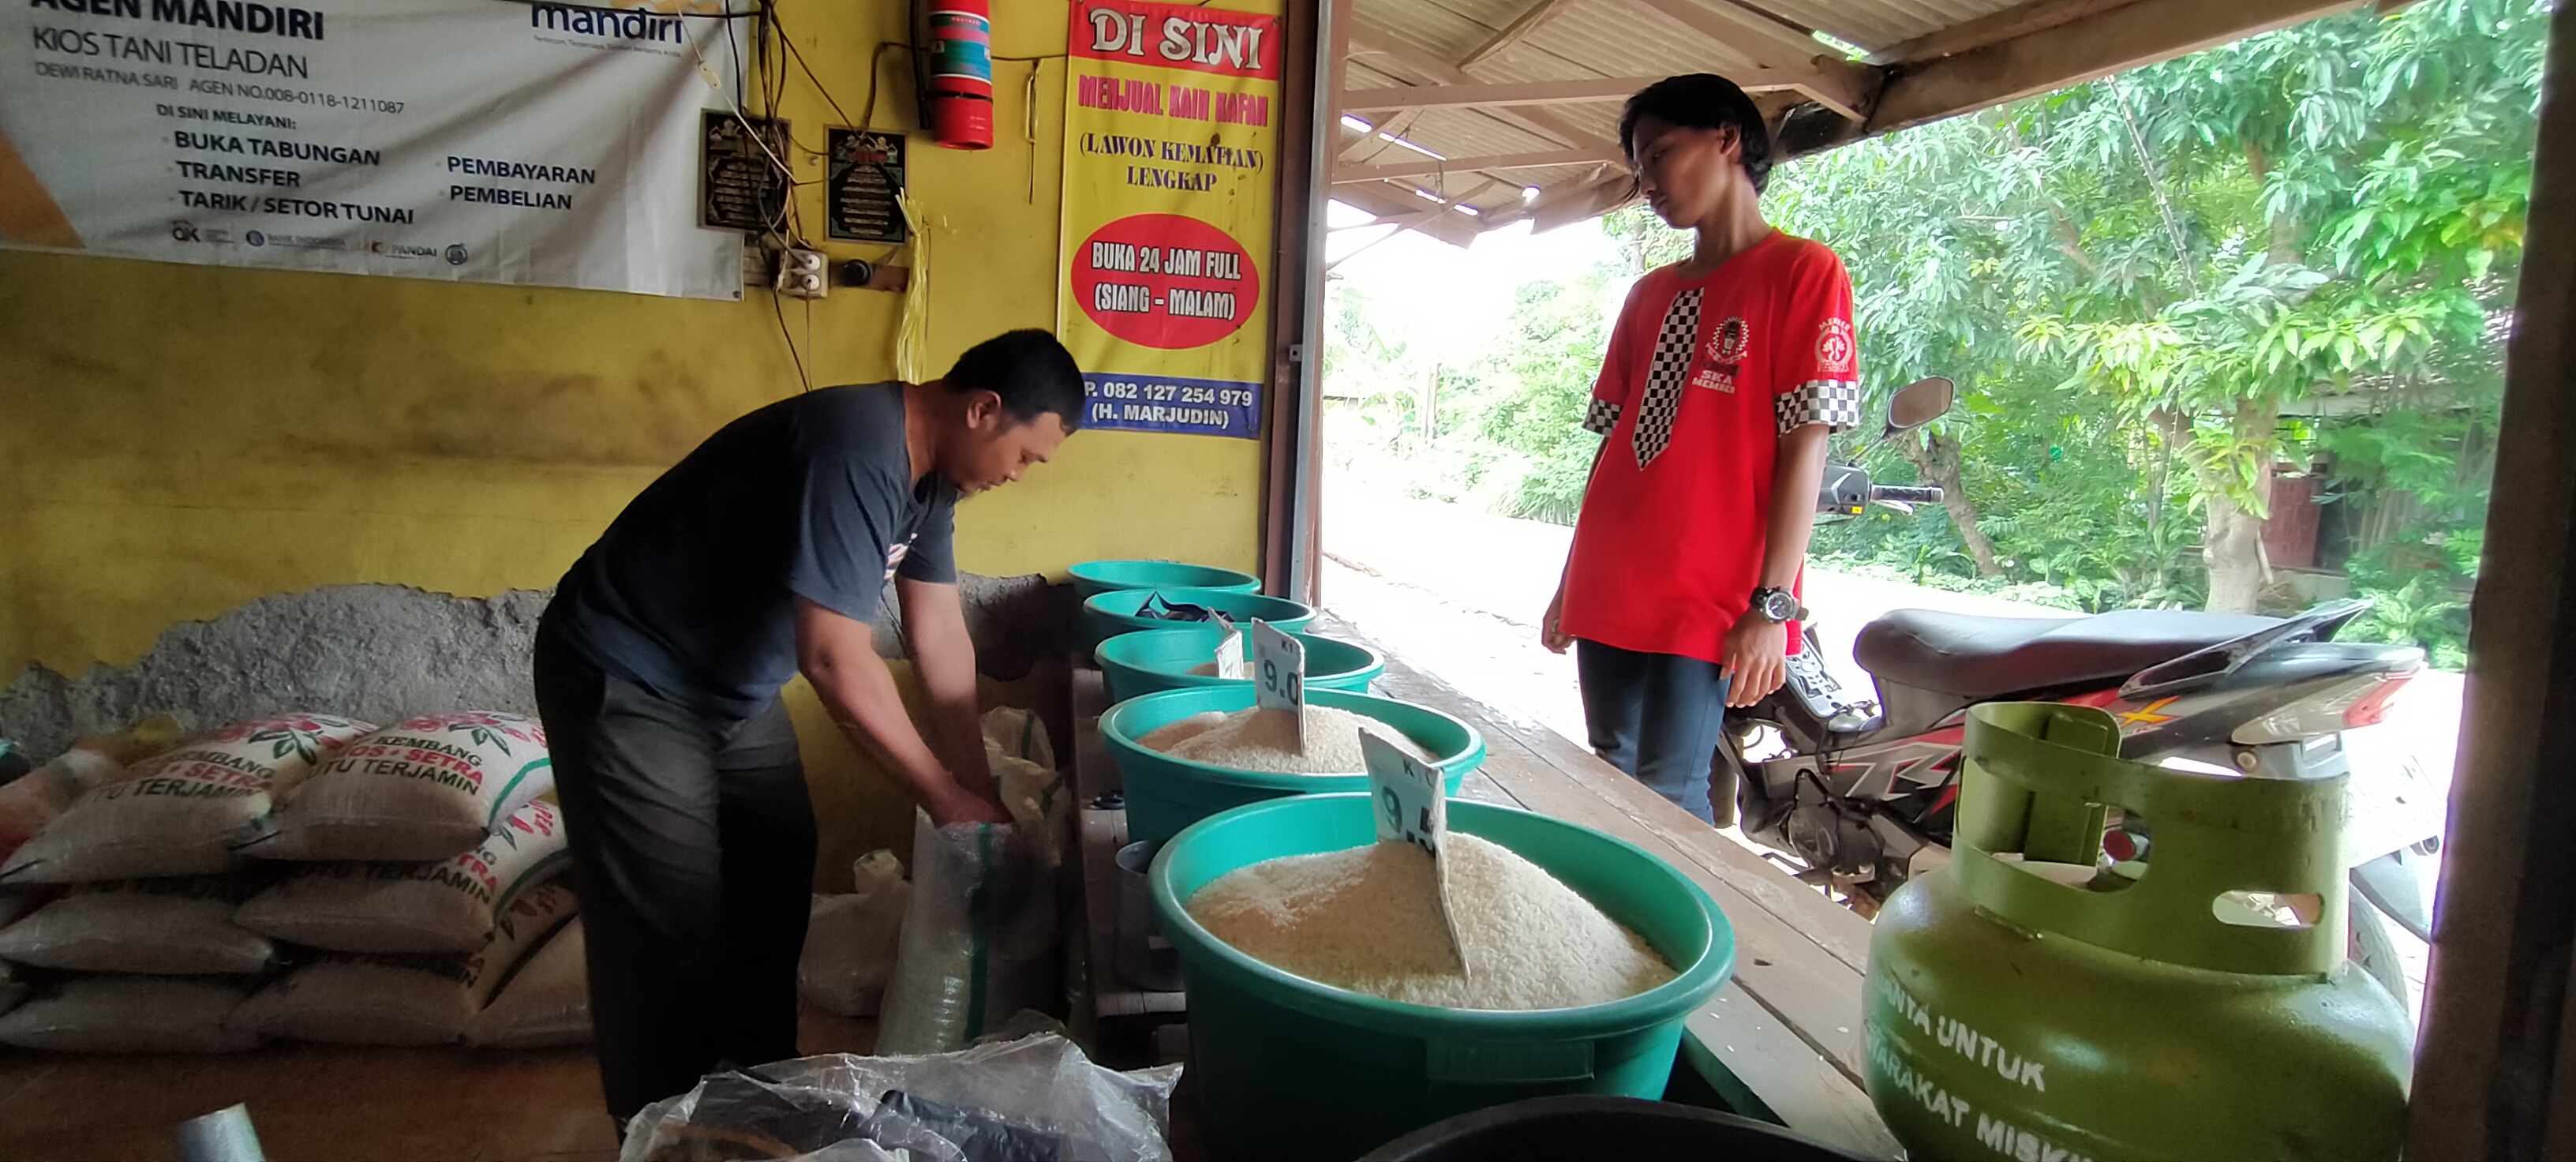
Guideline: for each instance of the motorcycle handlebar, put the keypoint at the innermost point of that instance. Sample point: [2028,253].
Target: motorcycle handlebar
[1907,495]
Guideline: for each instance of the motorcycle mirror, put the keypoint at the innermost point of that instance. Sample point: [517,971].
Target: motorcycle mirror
[1919,403]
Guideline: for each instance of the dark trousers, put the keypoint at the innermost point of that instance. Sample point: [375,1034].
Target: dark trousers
[693,843]
[1656,717]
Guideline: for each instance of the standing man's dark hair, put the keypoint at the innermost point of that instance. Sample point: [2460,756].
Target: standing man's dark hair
[1703,101]
[1029,369]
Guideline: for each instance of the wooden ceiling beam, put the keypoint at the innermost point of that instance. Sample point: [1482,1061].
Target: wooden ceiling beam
[1967,36]
[1532,92]
[1846,87]
[1425,166]
[1371,144]
[1602,195]
[1377,40]
[1409,212]
[1554,200]
[2125,37]
[1517,31]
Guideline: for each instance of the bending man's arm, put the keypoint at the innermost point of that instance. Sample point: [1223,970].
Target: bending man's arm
[934,629]
[1757,648]
[838,655]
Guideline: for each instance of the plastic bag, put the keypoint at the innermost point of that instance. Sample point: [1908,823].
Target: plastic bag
[979,940]
[1034,1093]
[1032,789]
[850,940]
[1018,733]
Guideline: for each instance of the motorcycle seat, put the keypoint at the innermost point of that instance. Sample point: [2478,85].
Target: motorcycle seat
[1985,657]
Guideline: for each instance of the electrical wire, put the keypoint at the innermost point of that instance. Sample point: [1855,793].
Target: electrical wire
[787,228]
[876,59]
[786,173]
[819,86]
[801,374]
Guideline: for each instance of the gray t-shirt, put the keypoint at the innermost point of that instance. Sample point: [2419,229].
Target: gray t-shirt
[691,591]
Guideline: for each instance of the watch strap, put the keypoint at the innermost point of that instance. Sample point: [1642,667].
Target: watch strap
[1762,602]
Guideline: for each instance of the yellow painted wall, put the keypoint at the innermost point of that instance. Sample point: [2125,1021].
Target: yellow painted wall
[177,440]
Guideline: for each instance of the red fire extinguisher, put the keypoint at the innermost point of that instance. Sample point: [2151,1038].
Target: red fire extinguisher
[961,73]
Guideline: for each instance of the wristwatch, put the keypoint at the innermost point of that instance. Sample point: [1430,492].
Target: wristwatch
[1778,605]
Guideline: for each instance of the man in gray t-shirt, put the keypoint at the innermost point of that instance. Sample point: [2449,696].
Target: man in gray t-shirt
[764,553]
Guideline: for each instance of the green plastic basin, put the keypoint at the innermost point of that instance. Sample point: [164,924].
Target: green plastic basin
[1281,1059]
[1106,615]
[1152,660]
[1165,794]
[1093,578]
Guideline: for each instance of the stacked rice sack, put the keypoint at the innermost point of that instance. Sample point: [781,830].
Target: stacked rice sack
[307,878]
[146,863]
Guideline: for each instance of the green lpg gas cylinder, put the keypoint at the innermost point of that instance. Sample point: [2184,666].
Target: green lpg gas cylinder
[2024,1005]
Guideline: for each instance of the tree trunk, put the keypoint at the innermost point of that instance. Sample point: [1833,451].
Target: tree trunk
[2231,539]
[1937,459]
[2232,546]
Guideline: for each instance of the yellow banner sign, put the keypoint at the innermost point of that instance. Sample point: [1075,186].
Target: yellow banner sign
[1170,183]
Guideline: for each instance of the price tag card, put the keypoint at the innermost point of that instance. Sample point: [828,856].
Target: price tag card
[1279,674]
[1229,649]
[1412,807]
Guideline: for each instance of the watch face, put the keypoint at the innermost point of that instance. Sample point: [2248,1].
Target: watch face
[1778,605]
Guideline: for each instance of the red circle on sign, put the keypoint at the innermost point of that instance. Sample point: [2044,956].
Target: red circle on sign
[1165,280]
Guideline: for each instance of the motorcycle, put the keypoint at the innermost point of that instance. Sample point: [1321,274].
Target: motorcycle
[1860,789]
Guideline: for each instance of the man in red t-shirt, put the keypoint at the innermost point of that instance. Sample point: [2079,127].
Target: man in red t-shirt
[1725,374]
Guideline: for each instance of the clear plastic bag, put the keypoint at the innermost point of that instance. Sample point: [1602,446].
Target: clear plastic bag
[980,937]
[978,941]
[850,940]
[1037,1096]
[1018,733]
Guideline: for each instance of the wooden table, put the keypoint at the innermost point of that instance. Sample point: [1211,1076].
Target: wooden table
[1782,1040]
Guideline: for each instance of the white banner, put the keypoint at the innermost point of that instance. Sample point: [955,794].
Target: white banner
[472,140]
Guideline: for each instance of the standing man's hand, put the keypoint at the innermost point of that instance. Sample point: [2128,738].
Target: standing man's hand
[1757,659]
[1551,626]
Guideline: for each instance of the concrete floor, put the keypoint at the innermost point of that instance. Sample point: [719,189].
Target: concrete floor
[333,1103]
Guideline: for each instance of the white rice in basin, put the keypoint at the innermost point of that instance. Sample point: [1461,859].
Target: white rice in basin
[1266,741]
[1366,919]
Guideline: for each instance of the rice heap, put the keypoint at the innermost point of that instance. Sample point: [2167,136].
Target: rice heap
[1266,741]
[1367,919]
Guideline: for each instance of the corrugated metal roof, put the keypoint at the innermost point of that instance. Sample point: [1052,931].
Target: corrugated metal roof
[1425,27]
[1612,39]
[1418,42]
[1876,24]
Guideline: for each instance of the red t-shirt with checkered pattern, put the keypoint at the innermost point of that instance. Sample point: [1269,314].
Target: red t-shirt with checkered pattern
[1702,378]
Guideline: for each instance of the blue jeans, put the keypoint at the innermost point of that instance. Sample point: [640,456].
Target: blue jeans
[1656,717]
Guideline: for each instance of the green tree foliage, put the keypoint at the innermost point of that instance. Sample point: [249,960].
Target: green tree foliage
[2151,290]
[1506,430]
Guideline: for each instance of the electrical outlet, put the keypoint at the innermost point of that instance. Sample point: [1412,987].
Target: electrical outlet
[802,274]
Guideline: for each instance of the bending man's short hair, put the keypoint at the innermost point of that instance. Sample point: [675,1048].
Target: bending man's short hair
[1032,373]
